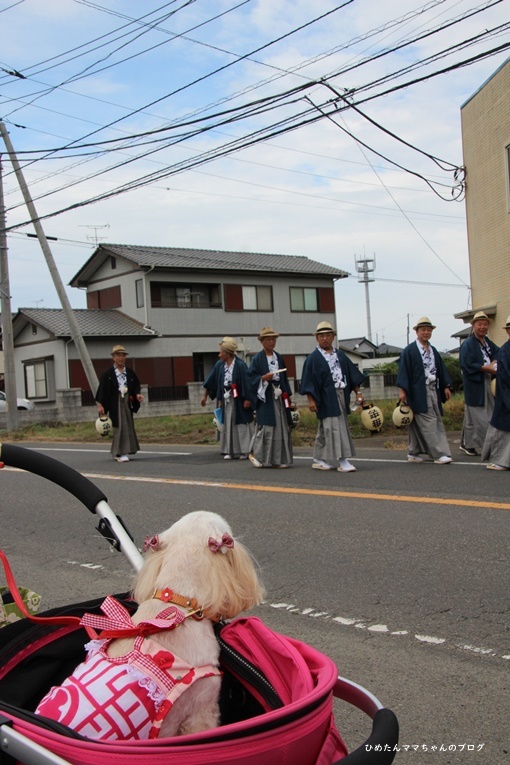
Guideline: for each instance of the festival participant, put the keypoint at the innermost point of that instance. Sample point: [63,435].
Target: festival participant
[270,389]
[477,357]
[424,384]
[496,446]
[228,384]
[327,380]
[118,396]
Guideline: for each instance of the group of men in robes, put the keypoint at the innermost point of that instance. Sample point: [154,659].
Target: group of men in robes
[328,378]
[425,385]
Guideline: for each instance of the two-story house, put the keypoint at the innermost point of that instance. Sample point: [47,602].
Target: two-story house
[170,307]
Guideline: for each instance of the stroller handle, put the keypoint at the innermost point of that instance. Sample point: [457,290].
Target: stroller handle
[63,475]
[110,525]
[382,744]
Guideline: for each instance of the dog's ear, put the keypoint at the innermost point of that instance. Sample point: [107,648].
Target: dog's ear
[233,582]
[145,581]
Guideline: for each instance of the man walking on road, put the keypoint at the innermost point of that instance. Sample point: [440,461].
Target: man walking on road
[327,380]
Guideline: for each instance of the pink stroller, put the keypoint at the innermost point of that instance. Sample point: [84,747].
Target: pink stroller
[277,692]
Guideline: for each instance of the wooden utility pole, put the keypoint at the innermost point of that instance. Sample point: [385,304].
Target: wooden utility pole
[7,335]
[57,281]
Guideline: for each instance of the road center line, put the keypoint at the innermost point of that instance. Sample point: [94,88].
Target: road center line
[309,492]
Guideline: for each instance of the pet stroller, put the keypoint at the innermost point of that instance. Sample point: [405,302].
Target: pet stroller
[277,692]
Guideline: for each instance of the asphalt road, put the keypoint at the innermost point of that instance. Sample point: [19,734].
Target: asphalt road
[399,572]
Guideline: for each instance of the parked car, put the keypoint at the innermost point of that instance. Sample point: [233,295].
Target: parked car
[23,403]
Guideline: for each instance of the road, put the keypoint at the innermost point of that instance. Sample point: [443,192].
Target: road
[399,571]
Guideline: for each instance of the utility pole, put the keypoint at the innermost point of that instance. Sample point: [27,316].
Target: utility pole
[57,281]
[366,266]
[7,335]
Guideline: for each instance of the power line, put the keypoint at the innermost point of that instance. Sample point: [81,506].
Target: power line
[238,143]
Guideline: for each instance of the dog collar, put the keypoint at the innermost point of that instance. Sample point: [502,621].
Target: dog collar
[191,604]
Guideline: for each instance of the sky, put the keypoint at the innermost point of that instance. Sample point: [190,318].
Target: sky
[318,129]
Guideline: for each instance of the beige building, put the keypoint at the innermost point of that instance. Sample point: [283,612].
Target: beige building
[485,121]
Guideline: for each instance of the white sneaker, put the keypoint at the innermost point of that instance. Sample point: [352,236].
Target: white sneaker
[444,460]
[321,465]
[346,467]
[227,457]
[122,458]
[243,456]
[492,466]
[414,458]
[254,461]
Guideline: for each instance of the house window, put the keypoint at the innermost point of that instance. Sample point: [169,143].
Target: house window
[248,298]
[113,263]
[139,293]
[36,383]
[34,329]
[104,299]
[312,299]
[303,299]
[182,295]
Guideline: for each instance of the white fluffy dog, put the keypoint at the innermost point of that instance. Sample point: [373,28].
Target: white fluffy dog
[195,565]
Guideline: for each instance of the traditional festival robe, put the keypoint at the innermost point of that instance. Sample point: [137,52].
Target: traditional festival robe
[259,366]
[316,380]
[501,416]
[471,359]
[496,447]
[215,387]
[411,378]
[108,393]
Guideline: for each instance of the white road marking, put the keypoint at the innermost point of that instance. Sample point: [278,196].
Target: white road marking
[92,566]
[103,451]
[347,621]
[395,461]
[191,454]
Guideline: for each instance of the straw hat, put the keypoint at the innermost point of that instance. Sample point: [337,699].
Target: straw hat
[323,328]
[119,349]
[507,325]
[267,332]
[423,322]
[480,316]
[229,344]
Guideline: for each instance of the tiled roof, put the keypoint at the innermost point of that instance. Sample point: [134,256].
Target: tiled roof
[178,257]
[90,322]
[353,343]
[385,348]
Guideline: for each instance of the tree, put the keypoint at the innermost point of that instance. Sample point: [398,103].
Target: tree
[452,364]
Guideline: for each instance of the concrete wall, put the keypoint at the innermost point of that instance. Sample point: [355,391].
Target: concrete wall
[68,408]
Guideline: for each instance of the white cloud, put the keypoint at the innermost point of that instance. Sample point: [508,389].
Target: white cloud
[311,192]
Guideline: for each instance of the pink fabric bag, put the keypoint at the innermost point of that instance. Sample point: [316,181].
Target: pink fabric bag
[302,730]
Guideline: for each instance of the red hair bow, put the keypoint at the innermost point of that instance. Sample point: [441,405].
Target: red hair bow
[217,545]
[151,543]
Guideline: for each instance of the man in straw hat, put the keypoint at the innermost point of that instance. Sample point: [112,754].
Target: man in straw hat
[477,358]
[119,397]
[424,384]
[327,380]
[270,390]
[496,446]
[228,384]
